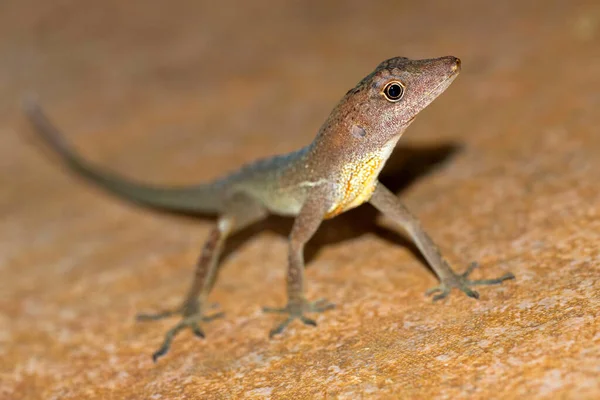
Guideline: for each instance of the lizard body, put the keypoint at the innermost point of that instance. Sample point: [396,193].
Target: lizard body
[336,172]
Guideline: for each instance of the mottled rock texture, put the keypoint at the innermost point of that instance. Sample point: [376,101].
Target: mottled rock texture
[503,168]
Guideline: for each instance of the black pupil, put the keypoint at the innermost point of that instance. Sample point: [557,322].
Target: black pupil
[394,91]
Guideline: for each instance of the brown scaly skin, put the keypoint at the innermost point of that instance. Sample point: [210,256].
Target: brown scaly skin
[336,172]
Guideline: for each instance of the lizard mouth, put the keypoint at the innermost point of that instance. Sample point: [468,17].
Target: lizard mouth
[409,121]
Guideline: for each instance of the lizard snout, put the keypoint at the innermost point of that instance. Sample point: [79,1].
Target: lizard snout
[453,63]
[456,66]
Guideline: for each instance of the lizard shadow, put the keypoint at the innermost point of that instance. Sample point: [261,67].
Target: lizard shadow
[406,165]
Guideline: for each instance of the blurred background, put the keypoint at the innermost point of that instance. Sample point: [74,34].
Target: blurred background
[183,91]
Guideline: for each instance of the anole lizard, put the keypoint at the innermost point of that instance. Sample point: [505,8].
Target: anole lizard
[336,172]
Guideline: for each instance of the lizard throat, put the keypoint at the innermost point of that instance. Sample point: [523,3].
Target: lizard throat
[358,180]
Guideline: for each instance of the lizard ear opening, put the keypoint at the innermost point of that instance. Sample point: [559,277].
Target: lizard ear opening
[358,131]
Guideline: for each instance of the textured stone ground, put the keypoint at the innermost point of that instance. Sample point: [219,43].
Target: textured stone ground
[503,168]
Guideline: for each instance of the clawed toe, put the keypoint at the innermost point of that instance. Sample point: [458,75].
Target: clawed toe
[308,321]
[190,322]
[433,290]
[496,281]
[157,316]
[321,305]
[209,318]
[275,310]
[442,292]
[192,318]
[462,283]
[296,311]
[197,331]
[472,267]
[281,327]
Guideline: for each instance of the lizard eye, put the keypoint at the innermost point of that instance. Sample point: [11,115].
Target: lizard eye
[393,91]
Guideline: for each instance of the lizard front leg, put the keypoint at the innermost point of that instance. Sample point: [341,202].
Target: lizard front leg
[305,225]
[240,213]
[386,202]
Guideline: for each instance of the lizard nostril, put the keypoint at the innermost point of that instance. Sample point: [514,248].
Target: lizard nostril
[456,66]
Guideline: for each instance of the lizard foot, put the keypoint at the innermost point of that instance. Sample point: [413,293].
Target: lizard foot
[191,318]
[462,283]
[296,310]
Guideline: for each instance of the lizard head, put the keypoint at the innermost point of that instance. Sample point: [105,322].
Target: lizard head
[400,88]
[373,114]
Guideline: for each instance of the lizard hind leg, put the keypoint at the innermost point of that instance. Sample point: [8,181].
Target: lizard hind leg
[191,309]
[243,212]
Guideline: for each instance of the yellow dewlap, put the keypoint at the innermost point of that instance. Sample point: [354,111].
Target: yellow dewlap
[361,179]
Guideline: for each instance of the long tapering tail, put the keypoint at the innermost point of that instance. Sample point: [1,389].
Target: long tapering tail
[203,198]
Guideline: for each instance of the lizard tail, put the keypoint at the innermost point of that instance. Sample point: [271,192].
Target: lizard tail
[203,198]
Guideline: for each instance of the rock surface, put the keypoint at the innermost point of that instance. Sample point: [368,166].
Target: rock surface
[504,168]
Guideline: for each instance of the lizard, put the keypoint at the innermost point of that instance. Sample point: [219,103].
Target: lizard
[334,173]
